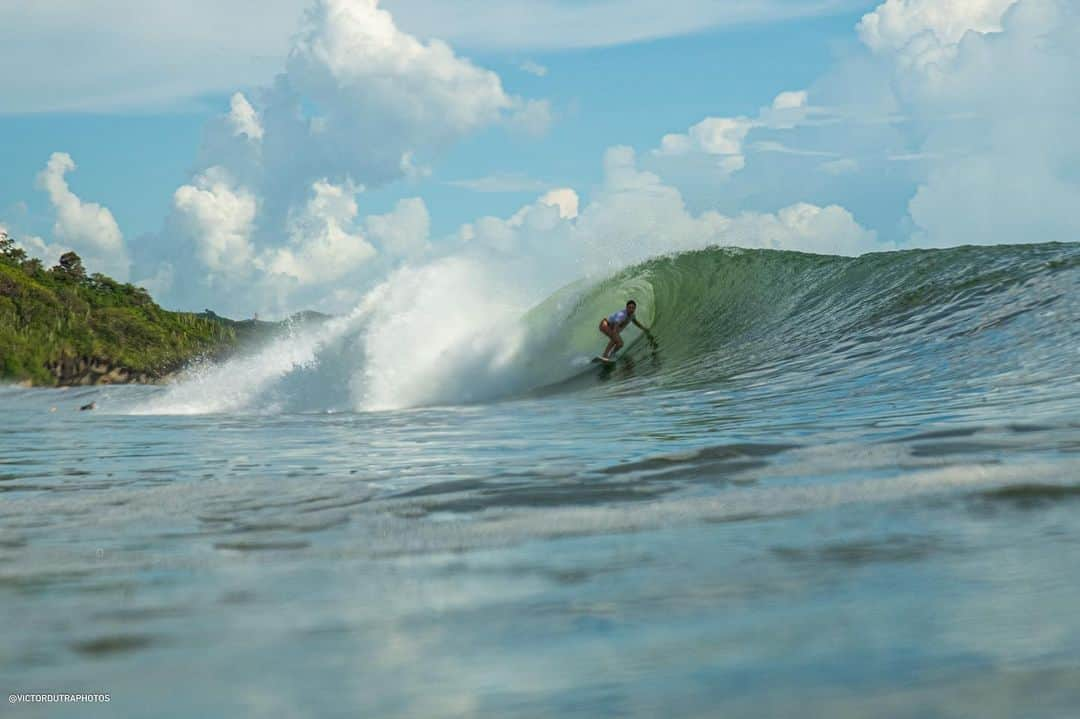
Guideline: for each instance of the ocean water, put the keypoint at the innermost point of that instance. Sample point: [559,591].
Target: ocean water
[824,487]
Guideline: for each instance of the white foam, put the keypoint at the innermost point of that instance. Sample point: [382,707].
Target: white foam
[237,385]
[446,332]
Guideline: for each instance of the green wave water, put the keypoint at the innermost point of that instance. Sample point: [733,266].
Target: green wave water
[720,312]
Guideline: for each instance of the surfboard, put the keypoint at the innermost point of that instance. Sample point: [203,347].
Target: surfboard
[602,360]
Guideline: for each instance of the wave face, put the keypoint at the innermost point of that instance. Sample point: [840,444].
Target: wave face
[719,313]
[961,319]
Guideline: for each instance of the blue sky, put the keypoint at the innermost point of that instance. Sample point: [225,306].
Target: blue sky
[833,126]
[132,159]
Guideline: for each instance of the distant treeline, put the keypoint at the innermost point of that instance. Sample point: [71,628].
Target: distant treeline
[62,326]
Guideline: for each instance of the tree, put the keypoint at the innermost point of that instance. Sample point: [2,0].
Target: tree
[70,265]
[103,282]
[10,251]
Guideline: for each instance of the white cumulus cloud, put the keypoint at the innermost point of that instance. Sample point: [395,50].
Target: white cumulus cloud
[954,124]
[805,227]
[404,231]
[715,149]
[790,100]
[323,243]
[635,215]
[86,227]
[895,24]
[924,34]
[565,199]
[375,85]
[1001,118]
[360,103]
[243,119]
[218,219]
[721,137]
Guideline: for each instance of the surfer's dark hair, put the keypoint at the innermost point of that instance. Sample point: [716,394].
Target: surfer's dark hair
[632,302]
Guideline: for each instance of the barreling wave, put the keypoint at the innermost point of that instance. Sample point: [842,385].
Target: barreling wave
[722,312]
[788,319]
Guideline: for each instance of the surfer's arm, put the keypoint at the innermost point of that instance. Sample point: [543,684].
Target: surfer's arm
[640,326]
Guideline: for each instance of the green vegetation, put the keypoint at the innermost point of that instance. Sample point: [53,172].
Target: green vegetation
[56,323]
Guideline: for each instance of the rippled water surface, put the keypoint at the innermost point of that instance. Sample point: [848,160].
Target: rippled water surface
[861,499]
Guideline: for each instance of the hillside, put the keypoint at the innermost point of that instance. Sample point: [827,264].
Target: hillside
[59,326]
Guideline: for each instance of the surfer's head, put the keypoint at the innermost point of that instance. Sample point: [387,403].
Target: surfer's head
[631,306]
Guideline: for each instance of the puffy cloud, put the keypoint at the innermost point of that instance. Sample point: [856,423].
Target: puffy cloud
[404,231]
[715,148]
[955,125]
[808,228]
[243,119]
[563,198]
[790,100]
[634,215]
[903,25]
[35,246]
[986,93]
[718,152]
[328,256]
[323,245]
[379,92]
[218,219]
[361,103]
[1000,137]
[720,136]
[86,227]
[924,35]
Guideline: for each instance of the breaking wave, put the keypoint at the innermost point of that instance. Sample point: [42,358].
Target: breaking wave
[456,332]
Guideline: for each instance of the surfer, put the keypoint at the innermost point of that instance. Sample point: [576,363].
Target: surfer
[614,324]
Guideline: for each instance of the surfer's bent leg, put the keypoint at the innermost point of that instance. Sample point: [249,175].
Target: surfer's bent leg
[616,340]
[607,330]
[613,334]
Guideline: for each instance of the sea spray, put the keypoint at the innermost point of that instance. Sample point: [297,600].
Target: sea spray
[442,333]
[242,382]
